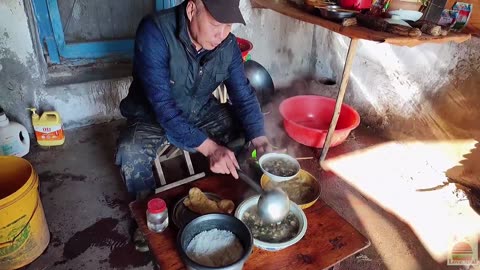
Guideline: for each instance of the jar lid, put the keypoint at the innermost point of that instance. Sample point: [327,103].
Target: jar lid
[156,206]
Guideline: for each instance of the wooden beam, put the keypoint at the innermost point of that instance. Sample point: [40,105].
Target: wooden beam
[180,182]
[352,49]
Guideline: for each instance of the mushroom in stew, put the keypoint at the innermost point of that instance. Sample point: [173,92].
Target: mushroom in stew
[271,232]
[280,167]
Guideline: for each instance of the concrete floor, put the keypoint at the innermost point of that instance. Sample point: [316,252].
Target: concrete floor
[85,203]
[87,207]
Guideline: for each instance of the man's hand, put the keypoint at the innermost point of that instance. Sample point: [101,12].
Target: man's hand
[222,160]
[262,145]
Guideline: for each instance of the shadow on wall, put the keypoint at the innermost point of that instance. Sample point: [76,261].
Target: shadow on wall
[444,108]
[457,106]
[406,100]
[449,113]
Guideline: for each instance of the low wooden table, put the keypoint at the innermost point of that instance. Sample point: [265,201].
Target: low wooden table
[329,238]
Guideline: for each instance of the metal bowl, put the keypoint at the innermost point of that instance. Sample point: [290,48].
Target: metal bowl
[260,80]
[332,13]
[215,221]
[305,177]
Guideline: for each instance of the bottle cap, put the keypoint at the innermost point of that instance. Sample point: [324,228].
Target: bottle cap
[156,206]
[35,116]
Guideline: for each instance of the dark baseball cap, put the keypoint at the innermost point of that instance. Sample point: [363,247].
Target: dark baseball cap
[225,11]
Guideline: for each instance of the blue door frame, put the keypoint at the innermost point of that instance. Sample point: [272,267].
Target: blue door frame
[52,36]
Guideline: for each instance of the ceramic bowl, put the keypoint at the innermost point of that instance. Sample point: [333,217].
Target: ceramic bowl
[278,178]
[295,209]
[407,15]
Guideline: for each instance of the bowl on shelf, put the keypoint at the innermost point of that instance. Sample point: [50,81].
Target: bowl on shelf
[406,15]
[335,13]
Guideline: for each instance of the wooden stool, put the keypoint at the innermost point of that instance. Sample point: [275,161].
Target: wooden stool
[168,152]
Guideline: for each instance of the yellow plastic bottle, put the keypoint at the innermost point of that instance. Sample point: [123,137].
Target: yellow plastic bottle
[48,128]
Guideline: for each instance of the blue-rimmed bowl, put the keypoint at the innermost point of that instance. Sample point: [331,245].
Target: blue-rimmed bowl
[295,209]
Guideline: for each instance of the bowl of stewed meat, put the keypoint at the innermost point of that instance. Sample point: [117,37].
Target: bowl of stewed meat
[279,167]
[272,236]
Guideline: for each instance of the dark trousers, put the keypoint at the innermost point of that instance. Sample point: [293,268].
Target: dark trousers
[139,142]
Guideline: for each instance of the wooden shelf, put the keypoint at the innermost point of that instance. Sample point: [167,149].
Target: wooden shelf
[354,32]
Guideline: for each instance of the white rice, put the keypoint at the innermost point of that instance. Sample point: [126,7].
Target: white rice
[215,248]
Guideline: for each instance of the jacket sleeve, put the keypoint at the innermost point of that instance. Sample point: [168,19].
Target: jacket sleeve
[151,68]
[243,98]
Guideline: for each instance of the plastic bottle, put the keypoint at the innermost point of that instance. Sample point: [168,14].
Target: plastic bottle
[48,128]
[14,138]
[157,215]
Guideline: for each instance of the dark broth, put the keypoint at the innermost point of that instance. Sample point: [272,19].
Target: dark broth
[280,167]
[271,232]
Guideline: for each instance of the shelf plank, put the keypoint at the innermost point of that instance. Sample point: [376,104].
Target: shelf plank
[293,11]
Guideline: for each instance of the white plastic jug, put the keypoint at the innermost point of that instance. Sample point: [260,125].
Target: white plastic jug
[14,138]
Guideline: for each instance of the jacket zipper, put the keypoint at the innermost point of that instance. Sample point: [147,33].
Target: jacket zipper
[199,75]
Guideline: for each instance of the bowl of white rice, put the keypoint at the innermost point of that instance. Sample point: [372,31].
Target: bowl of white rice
[215,241]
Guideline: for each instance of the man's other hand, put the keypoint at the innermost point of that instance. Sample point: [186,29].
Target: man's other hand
[262,145]
[222,160]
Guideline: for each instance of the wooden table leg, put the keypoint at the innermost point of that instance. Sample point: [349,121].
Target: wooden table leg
[352,49]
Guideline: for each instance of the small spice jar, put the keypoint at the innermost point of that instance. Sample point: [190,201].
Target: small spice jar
[157,215]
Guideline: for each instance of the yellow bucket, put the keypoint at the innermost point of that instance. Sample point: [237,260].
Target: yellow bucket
[24,232]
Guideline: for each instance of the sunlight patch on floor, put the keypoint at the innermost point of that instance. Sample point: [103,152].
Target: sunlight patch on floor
[405,179]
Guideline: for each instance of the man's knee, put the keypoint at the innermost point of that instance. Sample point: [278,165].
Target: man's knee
[135,166]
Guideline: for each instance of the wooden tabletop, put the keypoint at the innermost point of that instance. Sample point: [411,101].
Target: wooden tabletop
[289,9]
[329,238]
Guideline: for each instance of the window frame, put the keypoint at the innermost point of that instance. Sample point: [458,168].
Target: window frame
[52,37]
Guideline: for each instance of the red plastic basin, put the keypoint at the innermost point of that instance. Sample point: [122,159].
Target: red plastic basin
[306,120]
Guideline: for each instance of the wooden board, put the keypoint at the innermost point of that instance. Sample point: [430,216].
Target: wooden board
[329,238]
[291,10]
